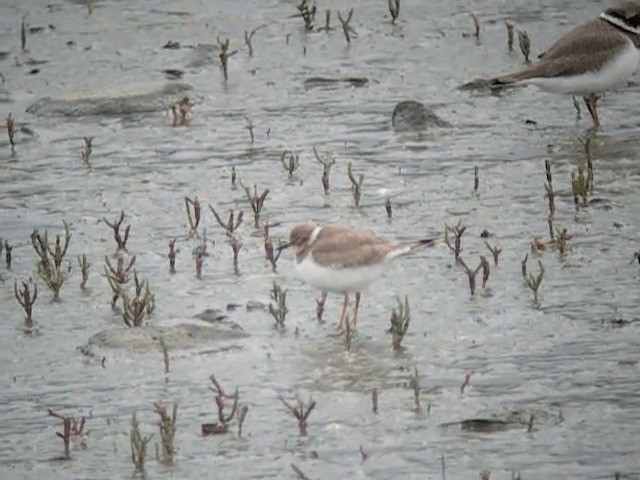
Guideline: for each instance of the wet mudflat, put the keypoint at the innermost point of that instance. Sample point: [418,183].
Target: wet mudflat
[552,390]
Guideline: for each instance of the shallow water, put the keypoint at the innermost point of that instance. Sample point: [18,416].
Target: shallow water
[566,360]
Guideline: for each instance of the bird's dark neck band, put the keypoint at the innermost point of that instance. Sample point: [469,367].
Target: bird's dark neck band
[618,22]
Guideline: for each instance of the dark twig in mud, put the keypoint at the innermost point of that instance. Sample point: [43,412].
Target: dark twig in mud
[138,445]
[121,241]
[10,130]
[551,194]
[50,262]
[374,400]
[134,308]
[71,428]
[533,282]
[586,144]
[388,207]
[582,185]
[118,276]
[180,110]
[290,162]
[532,417]
[7,253]
[167,426]
[394,10]
[495,251]
[26,299]
[233,177]
[224,56]
[257,202]
[510,26]
[466,382]
[457,230]
[400,319]
[222,425]
[486,270]
[636,257]
[308,13]
[476,25]
[301,475]
[363,455]
[327,22]
[248,37]
[84,265]
[165,353]
[194,218]
[356,185]
[242,414]
[348,334]
[525,45]
[249,127]
[523,265]
[346,29]
[87,150]
[272,254]
[561,240]
[236,245]
[327,162]
[321,302]
[232,223]
[278,310]
[23,35]
[414,384]
[172,255]
[301,412]
[471,274]
[198,258]
[476,179]
[485,474]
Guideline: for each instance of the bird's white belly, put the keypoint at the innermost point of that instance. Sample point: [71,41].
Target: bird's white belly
[612,74]
[338,279]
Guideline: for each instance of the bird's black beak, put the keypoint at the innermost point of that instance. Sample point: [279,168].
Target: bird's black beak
[283,247]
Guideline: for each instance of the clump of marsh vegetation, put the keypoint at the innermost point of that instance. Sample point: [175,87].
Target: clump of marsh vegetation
[26,297]
[300,411]
[224,416]
[50,259]
[72,428]
[278,308]
[138,446]
[167,426]
[400,319]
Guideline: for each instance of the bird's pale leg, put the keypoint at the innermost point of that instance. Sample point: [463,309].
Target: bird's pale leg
[591,101]
[355,313]
[344,311]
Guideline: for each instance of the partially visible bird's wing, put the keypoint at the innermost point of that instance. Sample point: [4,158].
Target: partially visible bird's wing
[584,49]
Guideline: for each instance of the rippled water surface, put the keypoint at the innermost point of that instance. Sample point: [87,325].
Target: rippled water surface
[570,361]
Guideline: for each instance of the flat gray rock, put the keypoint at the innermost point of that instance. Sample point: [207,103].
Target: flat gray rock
[182,335]
[121,100]
[412,115]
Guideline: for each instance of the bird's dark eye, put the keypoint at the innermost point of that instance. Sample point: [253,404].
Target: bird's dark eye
[634,21]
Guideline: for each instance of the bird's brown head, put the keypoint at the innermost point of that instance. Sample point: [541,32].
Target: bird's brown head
[301,235]
[626,10]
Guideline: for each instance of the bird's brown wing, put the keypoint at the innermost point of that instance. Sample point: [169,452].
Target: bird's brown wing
[343,247]
[584,49]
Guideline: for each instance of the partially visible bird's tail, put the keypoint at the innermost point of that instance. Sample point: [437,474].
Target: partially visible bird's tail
[512,78]
[427,242]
